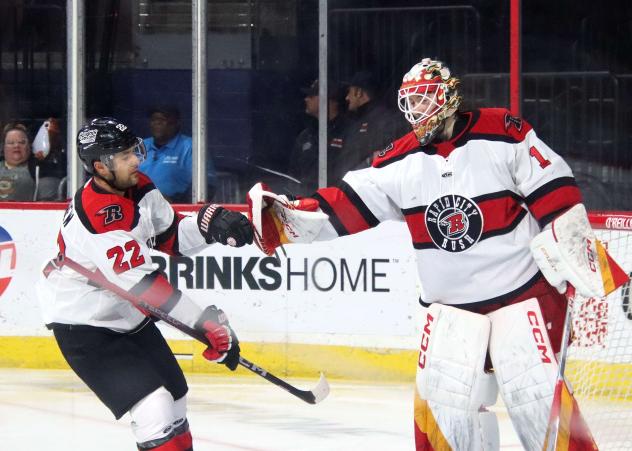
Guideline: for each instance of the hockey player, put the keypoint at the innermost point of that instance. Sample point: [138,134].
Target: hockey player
[474,188]
[115,348]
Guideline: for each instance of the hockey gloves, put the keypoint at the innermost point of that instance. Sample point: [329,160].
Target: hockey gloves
[223,343]
[220,225]
[569,251]
[279,220]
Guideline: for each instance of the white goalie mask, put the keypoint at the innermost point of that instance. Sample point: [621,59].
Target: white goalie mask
[428,96]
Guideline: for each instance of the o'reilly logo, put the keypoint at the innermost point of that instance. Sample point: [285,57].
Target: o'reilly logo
[255,273]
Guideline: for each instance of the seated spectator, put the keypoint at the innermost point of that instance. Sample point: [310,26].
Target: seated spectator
[304,158]
[169,156]
[371,125]
[22,176]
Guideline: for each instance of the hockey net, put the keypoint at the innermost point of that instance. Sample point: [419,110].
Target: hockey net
[599,365]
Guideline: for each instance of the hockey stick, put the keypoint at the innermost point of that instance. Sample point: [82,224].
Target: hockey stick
[564,405]
[314,396]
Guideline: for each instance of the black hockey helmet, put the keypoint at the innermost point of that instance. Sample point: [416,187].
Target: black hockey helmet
[103,137]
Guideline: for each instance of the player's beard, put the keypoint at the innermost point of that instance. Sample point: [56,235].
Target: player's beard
[121,185]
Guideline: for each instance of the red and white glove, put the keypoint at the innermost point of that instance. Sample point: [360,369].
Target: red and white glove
[278,220]
[223,343]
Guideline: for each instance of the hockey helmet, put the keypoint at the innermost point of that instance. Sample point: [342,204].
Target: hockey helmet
[102,138]
[428,95]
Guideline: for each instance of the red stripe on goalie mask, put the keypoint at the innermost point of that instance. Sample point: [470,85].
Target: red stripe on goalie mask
[346,212]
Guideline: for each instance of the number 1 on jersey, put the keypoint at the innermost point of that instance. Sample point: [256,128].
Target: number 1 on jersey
[535,153]
[118,254]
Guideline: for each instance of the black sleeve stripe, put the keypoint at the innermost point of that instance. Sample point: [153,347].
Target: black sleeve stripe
[498,195]
[507,229]
[139,193]
[357,202]
[172,231]
[145,283]
[551,216]
[171,302]
[549,187]
[429,245]
[81,212]
[413,210]
[485,137]
[333,218]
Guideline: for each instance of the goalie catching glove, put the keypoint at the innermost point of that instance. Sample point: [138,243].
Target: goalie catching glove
[223,343]
[278,220]
[568,251]
[220,225]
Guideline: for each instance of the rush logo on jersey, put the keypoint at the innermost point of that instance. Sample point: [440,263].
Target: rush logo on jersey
[7,259]
[454,222]
[111,213]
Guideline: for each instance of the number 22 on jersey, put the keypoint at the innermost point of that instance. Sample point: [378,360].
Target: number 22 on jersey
[121,264]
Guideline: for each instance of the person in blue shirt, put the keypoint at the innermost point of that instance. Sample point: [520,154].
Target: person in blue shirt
[169,156]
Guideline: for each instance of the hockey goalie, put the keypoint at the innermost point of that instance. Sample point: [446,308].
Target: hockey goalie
[496,219]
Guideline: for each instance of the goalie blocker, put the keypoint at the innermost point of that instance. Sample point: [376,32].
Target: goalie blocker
[569,251]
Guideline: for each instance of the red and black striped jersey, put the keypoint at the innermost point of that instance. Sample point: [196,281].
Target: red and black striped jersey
[471,204]
[113,235]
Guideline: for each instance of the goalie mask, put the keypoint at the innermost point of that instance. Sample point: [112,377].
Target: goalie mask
[427,97]
[102,138]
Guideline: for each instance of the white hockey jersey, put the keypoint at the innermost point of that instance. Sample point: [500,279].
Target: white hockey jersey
[113,234]
[472,204]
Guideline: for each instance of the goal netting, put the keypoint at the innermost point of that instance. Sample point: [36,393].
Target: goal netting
[599,365]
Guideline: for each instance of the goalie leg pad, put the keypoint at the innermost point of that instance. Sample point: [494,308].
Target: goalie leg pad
[452,386]
[525,368]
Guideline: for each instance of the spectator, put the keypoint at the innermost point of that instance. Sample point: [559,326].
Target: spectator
[22,176]
[304,158]
[371,125]
[169,156]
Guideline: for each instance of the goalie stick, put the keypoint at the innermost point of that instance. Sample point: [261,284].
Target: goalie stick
[565,415]
[313,396]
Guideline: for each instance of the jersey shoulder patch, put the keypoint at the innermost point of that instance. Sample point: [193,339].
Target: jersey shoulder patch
[498,122]
[396,150]
[102,212]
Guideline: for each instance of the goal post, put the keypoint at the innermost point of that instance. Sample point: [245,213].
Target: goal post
[599,361]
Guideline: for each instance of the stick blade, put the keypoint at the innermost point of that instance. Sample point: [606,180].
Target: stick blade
[321,390]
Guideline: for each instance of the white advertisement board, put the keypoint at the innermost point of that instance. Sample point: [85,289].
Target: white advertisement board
[360,290]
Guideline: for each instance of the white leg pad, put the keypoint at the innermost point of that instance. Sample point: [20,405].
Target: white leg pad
[153,417]
[451,377]
[525,368]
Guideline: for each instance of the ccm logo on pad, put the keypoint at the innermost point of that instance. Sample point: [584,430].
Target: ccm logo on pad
[538,336]
[425,340]
[591,256]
